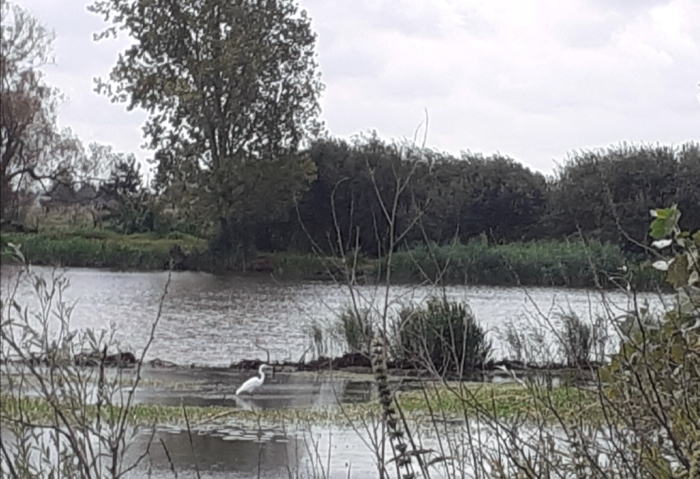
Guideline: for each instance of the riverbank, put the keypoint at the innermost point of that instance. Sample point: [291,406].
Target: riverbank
[504,401]
[540,263]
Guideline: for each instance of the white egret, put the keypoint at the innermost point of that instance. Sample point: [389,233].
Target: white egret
[253,383]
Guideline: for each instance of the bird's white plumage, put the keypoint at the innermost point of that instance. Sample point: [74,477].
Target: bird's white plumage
[253,383]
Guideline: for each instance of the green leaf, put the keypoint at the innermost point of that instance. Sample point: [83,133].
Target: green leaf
[678,274]
[665,222]
[658,228]
[662,214]
[696,237]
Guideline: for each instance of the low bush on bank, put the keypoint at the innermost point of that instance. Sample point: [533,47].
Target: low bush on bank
[103,249]
[543,263]
[537,263]
[440,336]
[443,335]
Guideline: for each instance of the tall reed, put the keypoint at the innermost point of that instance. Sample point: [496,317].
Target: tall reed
[537,263]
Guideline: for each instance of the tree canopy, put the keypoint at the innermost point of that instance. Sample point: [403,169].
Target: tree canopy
[33,148]
[231,88]
[601,194]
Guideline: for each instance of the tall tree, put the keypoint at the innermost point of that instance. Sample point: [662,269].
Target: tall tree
[32,146]
[232,90]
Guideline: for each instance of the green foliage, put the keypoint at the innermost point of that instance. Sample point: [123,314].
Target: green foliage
[357,327]
[131,208]
[602,195]
[537,263]
[608,193]
[654,380]
[443,335]
[303,265]
[106,249]
[34,147]
[232,90]
[576,339]
[464,196]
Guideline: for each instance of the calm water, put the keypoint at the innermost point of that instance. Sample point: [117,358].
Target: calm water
[211,320]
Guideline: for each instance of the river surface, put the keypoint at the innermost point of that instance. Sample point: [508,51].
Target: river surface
[209,320]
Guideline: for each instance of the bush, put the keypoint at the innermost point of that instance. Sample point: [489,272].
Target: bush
[536,263]
[654,380]
[357,328]
[576,339]
[105,249]
[444,334]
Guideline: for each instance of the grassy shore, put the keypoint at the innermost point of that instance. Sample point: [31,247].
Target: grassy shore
[99,248]
[539,263]
[504,401]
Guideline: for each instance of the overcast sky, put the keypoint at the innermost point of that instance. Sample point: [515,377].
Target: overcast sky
[532,79]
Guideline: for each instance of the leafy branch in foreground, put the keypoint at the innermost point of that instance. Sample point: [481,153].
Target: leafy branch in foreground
[86,427]
[654,381]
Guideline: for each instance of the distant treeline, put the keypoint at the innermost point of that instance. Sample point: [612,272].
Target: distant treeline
[604,195]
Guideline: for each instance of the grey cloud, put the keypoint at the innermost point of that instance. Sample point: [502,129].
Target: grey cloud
[426,23]
[420,84]
[627,6]
[480,94]
[350,64]
[473,22]
[595,34]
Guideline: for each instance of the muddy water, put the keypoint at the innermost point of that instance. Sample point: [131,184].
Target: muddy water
[212,320]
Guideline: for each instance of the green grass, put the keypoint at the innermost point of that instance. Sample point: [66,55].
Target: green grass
[102,248]
[536,263]
[504,401]
[310,265]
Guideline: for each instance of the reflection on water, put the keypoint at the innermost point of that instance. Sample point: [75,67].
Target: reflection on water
[206,388]
[203,387]
[220,456]
[214,320]
[305,451]
[267,453]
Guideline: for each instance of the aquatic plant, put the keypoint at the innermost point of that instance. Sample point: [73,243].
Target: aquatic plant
[357,327]
[443,336]
[104,249]
[535,263]
[576,339]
